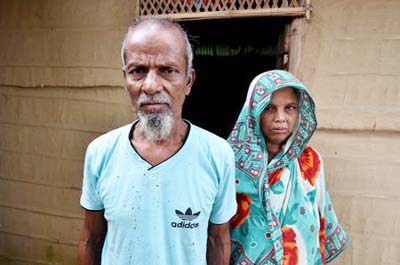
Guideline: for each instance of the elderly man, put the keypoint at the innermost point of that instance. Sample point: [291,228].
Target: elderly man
[159,190]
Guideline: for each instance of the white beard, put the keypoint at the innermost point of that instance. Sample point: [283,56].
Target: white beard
[155,126]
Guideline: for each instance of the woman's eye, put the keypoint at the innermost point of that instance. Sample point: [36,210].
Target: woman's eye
[268,108]
[292,107]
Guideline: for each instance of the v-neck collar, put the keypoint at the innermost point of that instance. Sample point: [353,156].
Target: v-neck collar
[146,163]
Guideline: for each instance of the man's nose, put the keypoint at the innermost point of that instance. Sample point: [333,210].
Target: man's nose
[151,84]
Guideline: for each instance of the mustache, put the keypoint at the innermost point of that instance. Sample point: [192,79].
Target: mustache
[151,99]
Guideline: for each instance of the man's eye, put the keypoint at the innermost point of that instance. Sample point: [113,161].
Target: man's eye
[168,70]
[137,71]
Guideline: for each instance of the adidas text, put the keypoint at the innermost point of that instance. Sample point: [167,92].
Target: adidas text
[184,225]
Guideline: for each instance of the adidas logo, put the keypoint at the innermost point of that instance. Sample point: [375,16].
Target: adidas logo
[186,218]
[188,215]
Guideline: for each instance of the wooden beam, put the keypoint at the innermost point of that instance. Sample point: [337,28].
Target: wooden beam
[281,12]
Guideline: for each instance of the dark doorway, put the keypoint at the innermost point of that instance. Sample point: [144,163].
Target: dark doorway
[228,54]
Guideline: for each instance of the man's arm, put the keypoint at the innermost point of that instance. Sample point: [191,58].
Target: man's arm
[218,244]
[92,238]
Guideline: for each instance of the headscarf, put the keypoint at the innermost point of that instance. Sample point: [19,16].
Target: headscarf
[247,130]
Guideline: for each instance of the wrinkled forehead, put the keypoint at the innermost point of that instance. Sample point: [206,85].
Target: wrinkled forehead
[155,34]
[155,40]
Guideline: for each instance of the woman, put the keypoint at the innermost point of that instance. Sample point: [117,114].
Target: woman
[284,215]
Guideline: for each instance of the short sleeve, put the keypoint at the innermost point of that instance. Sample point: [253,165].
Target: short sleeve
[334,238]
[225,202]
[90,198]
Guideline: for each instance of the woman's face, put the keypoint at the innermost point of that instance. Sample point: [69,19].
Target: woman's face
[280,116]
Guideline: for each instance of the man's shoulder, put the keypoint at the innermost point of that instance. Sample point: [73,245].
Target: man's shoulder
[111,137]
[205,133]
[210,139]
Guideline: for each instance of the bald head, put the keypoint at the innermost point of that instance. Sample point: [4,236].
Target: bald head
[159,25]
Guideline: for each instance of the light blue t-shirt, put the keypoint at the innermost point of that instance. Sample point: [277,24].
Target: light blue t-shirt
[159,215]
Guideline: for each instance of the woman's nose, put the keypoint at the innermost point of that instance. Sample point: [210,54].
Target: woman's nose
[280,116]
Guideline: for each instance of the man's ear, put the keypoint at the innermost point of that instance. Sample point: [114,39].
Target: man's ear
[190,80]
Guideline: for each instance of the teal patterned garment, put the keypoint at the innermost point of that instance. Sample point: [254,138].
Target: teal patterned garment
[285,215]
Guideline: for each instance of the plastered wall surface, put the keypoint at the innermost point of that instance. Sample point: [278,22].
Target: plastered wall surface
[61,86]
[350,59]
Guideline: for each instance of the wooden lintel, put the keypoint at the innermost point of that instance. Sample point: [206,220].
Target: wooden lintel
[282,12]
